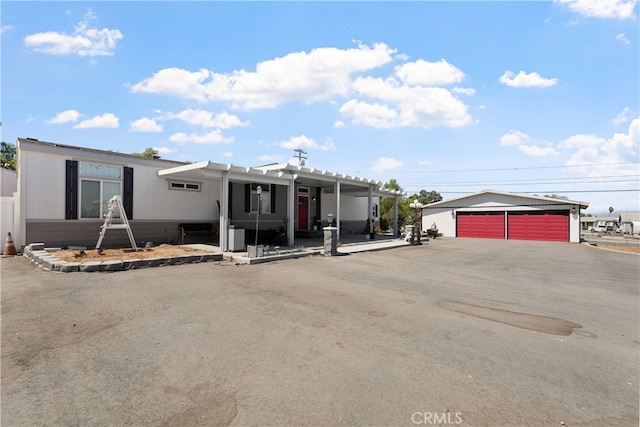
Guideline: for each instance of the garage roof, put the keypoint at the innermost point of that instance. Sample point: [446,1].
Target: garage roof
[548,200]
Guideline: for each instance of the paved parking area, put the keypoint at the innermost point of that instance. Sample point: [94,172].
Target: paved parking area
[459,331]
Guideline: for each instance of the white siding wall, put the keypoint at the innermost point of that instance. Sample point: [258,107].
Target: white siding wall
[9,181]
[44,186]
[445,223]
[152,198]
[352,208]
[574,228]
[6,224]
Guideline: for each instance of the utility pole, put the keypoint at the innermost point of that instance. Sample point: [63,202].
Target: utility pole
[301,155]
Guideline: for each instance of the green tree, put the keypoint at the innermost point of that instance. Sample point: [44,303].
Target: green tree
[404,210]
[556,196]
[8,156]
[425,197]
[149,153]
[386,205]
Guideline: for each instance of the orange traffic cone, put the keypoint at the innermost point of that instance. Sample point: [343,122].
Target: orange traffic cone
[9,247]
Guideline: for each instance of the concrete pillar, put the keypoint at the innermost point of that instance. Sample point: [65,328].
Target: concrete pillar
[370,208]
[330,241]
[395,216]
[224,211]
[337,193]
[291,204]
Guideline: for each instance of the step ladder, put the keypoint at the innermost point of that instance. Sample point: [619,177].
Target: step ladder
[115,203]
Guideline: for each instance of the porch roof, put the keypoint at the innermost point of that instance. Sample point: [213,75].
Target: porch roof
[352,185]
[213,171]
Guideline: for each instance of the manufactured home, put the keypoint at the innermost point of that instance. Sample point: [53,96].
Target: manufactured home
[63,193]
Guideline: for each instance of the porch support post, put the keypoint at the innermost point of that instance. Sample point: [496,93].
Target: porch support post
[337,193]
[291,204]
[370,208]
[395,216]
[224,209]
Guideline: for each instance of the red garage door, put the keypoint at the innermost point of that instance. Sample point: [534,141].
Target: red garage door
[488,225]
[549,225]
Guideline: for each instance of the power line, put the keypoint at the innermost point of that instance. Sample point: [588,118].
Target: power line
[557,191]
[513,168]
[577,180]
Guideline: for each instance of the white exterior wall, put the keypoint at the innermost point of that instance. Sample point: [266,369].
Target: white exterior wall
[153,200]
[445,223]
[352,208]
[6,221]
[574,227]
[355,208]
[44,187]
[9,181]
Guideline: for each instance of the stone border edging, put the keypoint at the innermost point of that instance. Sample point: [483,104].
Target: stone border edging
[36,254]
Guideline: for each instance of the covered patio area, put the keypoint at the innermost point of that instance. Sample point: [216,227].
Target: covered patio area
[291,202]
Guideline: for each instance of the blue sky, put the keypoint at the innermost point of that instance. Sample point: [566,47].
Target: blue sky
[456,97]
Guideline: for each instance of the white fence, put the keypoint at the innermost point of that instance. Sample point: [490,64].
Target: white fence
[6,220]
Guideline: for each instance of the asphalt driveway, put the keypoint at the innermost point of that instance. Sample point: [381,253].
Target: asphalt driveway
[459,331]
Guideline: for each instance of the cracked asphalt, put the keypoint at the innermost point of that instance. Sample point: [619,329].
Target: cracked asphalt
[458,331]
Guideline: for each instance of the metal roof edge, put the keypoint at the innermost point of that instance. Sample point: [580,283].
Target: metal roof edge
[583,205]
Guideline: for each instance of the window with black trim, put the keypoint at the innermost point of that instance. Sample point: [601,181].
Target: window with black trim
[188,186]
[98,184]
[263,201]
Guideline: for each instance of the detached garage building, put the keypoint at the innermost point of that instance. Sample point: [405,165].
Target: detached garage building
[498,215]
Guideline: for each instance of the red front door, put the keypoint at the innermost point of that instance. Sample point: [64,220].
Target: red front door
[303,212]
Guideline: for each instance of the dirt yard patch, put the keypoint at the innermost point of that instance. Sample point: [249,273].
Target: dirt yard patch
[621,248]
[125,254]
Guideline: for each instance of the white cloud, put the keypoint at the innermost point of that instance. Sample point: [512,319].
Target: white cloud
[526,80]
[107,120]
[514,138]
[227,154]
[425,162]
[145,125]
[213,137]
[164,150]
[67,116]
[402,105]
[298,76]
[623,38]
[614,9]
[375,115]
[421,73]
[5,28]
[267,158]
[304,141]
[622,117]
[605,155]
[537,151]
[526,144]
[84,41]
[407,98]
[383,164]
[206,119]
[464,90]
